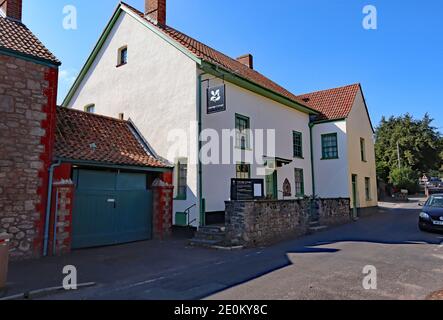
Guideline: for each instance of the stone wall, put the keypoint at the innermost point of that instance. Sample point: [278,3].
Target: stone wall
[334,211]
[27,118]
[254,223]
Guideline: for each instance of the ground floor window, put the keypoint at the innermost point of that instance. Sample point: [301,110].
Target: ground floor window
[368,188]
[299,183]
[243,171]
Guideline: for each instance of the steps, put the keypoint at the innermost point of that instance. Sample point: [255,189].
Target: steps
[314,227]
[209,237]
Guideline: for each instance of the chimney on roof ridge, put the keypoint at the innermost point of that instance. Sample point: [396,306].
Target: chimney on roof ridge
[247,60]
[155,10]
[11,9]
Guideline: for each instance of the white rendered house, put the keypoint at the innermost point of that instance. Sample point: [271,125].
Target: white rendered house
[343,146]
[158,77]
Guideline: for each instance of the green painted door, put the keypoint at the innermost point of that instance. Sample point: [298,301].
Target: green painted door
[271,186]
[110,208]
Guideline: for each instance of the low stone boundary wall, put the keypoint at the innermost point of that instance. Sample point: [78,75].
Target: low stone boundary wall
[254,223]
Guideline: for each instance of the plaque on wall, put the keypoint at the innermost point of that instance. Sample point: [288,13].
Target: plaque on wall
[247,189]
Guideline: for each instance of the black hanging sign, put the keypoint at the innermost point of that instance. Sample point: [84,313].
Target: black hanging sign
[216,99]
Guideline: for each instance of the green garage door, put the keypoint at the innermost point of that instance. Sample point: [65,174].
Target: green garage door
[110,208]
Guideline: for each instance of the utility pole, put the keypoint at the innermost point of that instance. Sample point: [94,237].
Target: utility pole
[398,155]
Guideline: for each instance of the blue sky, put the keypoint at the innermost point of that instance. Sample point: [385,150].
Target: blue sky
[304,45]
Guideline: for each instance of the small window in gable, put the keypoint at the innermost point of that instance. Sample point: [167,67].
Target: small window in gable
[122,56]
[90,108]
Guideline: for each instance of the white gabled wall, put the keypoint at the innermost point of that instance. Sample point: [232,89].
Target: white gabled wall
[331,176]
[359,126]
[157,89]
[263,113]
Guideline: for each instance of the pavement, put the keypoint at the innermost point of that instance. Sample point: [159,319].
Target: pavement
[326,265]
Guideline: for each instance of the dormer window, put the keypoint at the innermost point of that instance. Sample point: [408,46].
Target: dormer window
[122,56]
[90,108]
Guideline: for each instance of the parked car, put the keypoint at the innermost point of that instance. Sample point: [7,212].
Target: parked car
[434,182]
[431,217]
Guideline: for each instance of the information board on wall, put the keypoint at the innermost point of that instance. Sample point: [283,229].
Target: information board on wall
[247,189]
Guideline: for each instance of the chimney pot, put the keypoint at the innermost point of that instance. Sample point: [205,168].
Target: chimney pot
[12,9]
[247,60]
[155,10]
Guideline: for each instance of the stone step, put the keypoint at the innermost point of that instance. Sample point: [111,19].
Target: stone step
[210,235]
[212,229]
[204,243]
[317,229]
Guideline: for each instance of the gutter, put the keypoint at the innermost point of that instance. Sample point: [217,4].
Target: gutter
[202,208]
[48,207]
[311,125]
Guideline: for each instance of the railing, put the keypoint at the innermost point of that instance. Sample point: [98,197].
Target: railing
[187,213]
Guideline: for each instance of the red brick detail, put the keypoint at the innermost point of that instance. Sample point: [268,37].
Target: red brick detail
[163,194]
[61,215]
[61,210]
[247,60]
[13,9]
[48,141]
[155,10]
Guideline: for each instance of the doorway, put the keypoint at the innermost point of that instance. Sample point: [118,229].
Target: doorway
[355,196]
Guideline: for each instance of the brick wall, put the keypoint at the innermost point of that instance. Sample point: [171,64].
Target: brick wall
[255,223]
[163,197]
[61,216]
[27,118]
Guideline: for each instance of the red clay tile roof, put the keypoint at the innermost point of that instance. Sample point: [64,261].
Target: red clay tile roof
[17,37]
[215,57]
[332,104]
[115,141]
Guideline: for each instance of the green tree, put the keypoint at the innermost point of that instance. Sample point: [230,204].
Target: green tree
[420,145]
[404,178]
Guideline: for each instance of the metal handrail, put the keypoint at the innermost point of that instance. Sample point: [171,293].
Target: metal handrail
[187,212]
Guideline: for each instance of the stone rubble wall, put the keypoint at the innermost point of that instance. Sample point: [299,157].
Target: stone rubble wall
[27,118]
[255,223]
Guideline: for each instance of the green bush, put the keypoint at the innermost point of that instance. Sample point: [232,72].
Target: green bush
[404,178]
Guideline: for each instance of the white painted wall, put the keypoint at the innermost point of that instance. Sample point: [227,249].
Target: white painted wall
[264,114]
[358,124]
[331,176]
[156,89]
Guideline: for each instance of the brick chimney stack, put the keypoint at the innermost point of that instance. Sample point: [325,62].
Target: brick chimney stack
[247,60]
[155,10]
[12,9]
